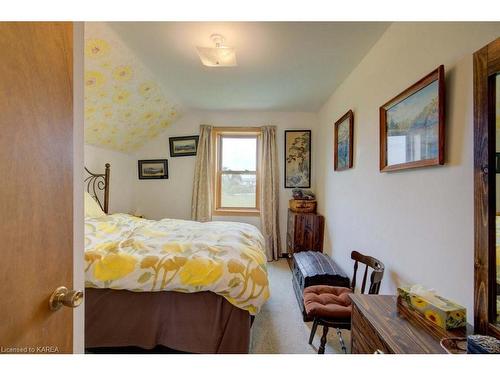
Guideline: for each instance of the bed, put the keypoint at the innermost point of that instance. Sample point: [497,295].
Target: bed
[188,286]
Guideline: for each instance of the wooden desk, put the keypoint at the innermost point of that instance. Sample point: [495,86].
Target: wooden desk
[378,326]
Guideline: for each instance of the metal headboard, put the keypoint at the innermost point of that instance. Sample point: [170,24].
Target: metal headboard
[96,182]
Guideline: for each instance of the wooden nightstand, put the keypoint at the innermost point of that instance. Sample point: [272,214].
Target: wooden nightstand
[304,232]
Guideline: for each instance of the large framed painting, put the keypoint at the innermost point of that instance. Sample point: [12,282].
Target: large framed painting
[297,158]
[343,142]
[156,169]
[412,125]
[183,146]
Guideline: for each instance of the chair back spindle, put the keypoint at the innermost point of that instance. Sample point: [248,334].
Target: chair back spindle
[376,275]
[353,284]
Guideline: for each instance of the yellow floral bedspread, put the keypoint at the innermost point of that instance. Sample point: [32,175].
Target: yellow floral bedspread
[227,258]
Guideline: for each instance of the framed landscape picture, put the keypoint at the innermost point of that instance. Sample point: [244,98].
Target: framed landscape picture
[183,146]
[297,158]
[412,125]
[153,169]
[343,142]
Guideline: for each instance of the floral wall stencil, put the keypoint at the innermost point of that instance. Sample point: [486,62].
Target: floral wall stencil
[124,106]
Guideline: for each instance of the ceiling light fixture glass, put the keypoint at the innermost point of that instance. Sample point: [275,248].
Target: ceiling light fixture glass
[218,56]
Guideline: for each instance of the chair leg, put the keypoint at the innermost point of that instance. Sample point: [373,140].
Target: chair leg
[342,344]
[321,349]
[313,330]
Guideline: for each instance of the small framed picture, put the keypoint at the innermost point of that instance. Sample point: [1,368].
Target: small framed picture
[183,146]
[412,125]
[153,169]
[297,159]
[343,142]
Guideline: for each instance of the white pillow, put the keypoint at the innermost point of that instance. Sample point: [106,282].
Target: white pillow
[92,208]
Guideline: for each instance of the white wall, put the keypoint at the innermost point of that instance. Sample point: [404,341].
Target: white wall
[122,177]
[418,222]
[156,199]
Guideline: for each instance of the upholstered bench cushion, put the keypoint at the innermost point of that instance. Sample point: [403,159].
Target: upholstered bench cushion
[326,301]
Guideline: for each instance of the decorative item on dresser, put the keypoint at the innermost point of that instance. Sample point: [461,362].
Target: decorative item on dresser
[379,326]
[314,268]
[304,232]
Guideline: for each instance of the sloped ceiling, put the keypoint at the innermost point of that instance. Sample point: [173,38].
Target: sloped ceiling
[125,107]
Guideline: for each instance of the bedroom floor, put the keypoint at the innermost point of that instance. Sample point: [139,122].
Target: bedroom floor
[279,329]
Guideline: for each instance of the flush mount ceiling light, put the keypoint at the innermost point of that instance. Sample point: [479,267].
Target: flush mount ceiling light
[218,56]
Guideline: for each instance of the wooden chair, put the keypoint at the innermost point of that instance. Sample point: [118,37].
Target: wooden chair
[330,306]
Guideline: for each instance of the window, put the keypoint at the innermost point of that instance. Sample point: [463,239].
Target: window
[236,171]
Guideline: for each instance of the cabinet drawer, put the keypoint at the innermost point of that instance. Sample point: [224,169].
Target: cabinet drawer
[364,339]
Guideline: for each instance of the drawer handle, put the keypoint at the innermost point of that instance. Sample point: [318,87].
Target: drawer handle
[378,351]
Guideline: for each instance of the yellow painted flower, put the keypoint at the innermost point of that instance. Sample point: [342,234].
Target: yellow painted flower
[434,317]
[164,123]
[248,252]
[91,256]
[89,111]
[418,302]
[259,277]
[173,248]
[147,89]
[174,263]
[107,247]
[235,266]
[107,227]
[114,266]
[94,79]
[149,261]
[153,132]
[96,48]
[121,97]
[200,271]
[149,117]
[122,73]
[458,315]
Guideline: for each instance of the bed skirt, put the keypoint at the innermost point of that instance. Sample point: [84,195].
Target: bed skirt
[201,322]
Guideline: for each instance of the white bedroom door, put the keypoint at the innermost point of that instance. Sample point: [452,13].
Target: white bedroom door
[36,199]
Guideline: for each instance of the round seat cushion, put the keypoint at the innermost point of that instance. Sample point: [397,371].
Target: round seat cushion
[324,301]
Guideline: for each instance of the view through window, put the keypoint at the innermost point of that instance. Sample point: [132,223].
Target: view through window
[237,171]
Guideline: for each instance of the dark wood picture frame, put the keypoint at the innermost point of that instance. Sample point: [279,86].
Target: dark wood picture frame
[486,67]
[287,186]
[348,116]
[172,140]
[156,161]
[436,75]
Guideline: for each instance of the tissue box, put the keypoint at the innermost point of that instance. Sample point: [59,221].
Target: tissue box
[438,310]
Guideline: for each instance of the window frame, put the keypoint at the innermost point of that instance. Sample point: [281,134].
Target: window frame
[217,135]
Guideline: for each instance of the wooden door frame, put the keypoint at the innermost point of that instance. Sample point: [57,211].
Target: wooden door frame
[486,63]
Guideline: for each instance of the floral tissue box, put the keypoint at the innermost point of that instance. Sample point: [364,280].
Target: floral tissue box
[436,309]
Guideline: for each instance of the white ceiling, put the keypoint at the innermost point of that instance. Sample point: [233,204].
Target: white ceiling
[286,66]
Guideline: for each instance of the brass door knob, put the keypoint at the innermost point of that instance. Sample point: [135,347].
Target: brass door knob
[63,296]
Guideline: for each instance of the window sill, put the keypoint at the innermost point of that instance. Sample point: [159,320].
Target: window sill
[230,212]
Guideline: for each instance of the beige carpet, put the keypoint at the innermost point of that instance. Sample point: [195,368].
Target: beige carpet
[279,329]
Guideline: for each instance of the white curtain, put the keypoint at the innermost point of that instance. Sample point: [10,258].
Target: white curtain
[269,197]
[201,203]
